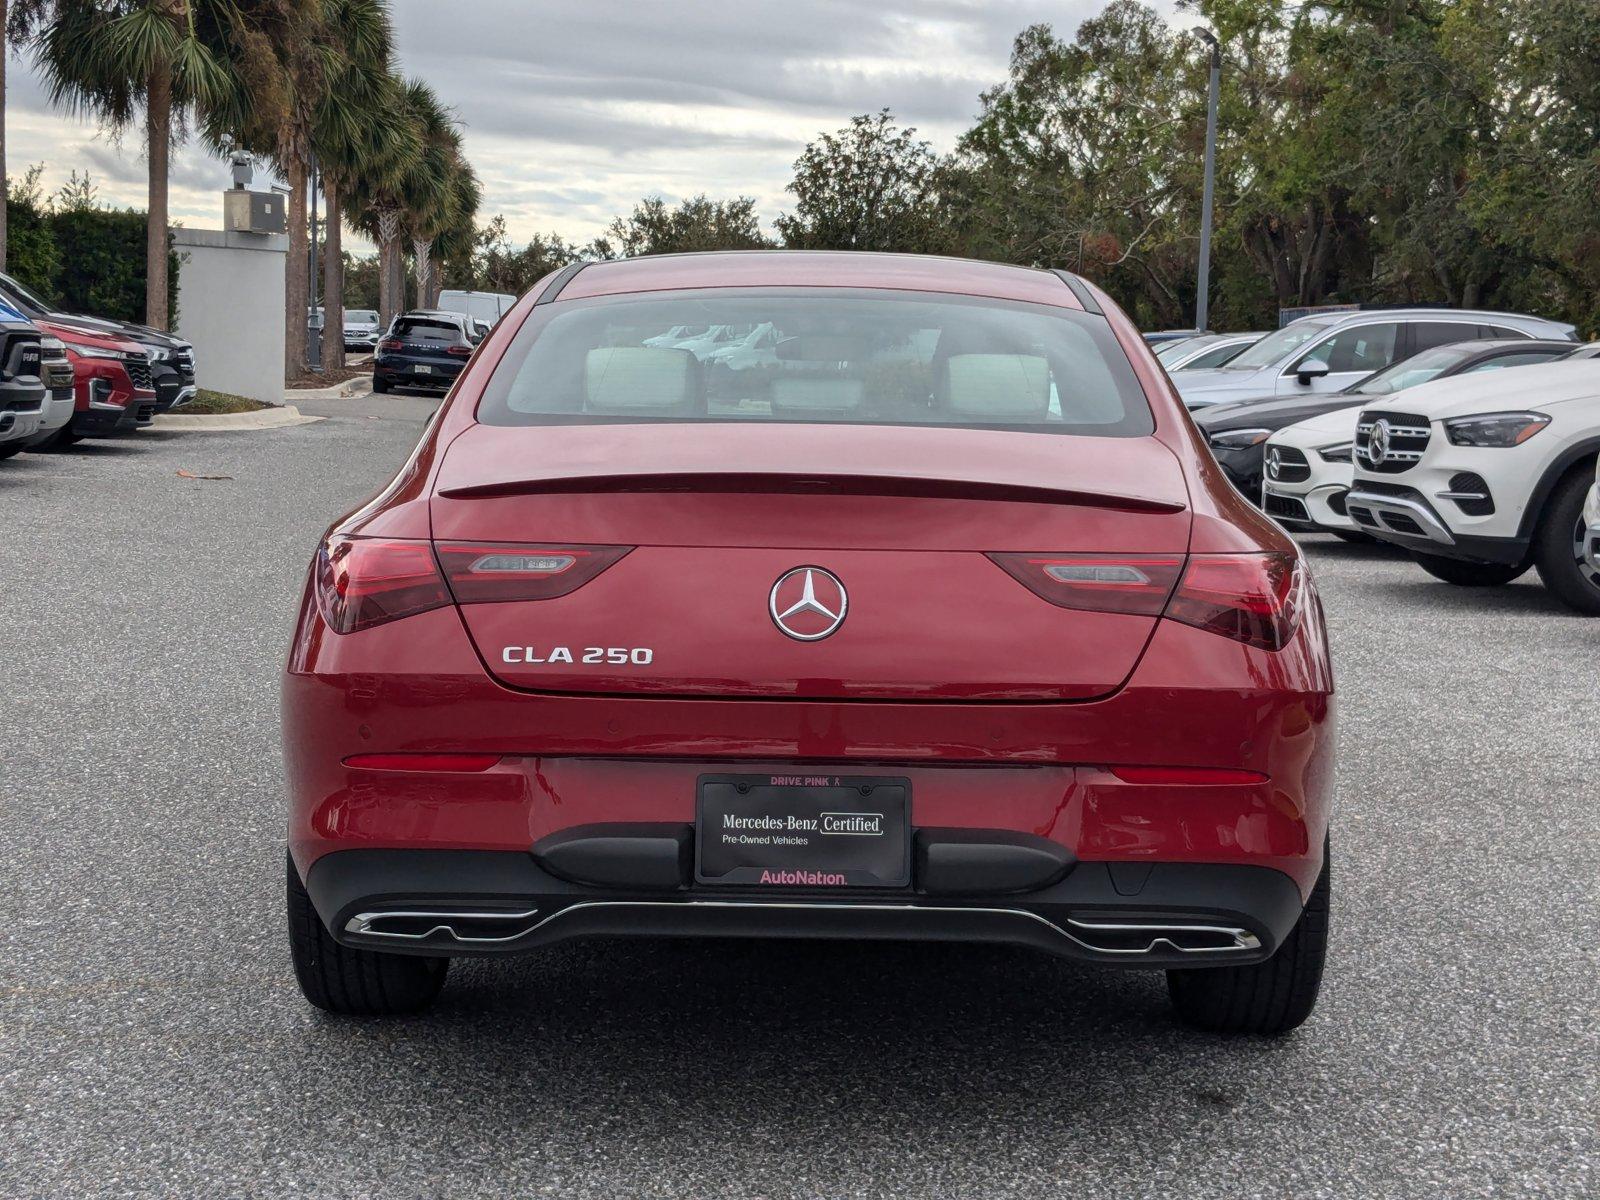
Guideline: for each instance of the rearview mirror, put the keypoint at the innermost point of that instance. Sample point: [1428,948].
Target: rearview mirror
[1309,369]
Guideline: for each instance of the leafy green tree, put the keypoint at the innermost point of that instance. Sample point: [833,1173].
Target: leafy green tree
[697,224]
[1081,160]
[32,253]
[870,186]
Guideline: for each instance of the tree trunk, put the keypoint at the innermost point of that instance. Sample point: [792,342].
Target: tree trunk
[436,273]
[297,273]
[333,278]
[422,252]
[158,122]
[4,17]
[390,301]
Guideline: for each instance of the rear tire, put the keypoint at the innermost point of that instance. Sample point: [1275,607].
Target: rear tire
[1268,998]
[10,448]
[1354,537]
[380,386]
[355,983]
[1558,547]
[1469,574]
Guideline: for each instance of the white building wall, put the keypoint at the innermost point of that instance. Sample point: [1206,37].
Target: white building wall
[230,305]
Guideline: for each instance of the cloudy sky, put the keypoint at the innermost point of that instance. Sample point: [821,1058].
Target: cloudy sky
[574,109]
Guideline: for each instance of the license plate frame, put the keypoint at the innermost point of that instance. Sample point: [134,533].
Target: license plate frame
[803,831]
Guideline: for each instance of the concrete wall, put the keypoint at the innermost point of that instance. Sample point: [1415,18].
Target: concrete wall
[230,305]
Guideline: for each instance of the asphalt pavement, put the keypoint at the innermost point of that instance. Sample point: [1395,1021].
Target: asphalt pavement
[152,1040]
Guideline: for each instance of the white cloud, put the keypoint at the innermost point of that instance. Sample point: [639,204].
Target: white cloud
[574,109]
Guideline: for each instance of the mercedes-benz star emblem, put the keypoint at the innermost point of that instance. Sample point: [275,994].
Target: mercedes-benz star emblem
[1378,443]
[808,603]
[1274,462]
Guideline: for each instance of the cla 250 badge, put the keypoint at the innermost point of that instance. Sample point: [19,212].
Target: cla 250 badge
[613,655]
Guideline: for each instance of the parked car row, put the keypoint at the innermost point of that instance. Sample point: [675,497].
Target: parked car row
[1481,472]
[65,376]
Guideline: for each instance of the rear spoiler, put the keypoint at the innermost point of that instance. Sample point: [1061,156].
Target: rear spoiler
[810,484]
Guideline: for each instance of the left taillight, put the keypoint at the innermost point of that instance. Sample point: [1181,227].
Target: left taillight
[362,582]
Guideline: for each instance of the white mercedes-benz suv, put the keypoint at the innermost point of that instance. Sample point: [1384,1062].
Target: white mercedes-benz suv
[1484,476]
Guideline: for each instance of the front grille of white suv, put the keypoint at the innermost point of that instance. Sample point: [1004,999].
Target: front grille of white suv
[1401,440]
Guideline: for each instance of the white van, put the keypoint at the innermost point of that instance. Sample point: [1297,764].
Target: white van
[486,308]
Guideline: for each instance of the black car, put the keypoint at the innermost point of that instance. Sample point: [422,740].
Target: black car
[424,349]
[1237,431]
[171,358]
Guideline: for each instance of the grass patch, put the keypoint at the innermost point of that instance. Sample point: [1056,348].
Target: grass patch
[209,403]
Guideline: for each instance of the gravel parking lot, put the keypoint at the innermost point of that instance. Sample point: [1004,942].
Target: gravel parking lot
[152,1040]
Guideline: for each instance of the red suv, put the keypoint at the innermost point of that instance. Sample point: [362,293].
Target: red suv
[936,622]
[115,393]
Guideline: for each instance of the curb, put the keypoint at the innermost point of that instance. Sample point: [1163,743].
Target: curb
[350,389]
[266,418]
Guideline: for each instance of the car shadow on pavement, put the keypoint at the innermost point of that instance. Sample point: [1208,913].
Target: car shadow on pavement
[919,1045]
[1337,548]
[1527,597]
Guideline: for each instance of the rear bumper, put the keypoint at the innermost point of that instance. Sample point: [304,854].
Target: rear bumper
[1045,770]
[402,373]
[473,902]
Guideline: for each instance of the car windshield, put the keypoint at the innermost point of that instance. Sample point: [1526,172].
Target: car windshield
[31,302]
[360,316]
[1275,346]
[1430,364]
[1185,346]
[828,356]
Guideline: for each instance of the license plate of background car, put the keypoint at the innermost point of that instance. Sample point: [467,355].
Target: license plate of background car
[821,832]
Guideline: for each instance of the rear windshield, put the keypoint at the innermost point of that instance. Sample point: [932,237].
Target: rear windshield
[420,330]
[817,356]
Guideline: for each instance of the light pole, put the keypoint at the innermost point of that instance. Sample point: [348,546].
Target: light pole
[318,328]
[1202,303]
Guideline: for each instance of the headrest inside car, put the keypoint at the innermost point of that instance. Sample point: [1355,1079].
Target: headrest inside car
[637,380]
[997,387]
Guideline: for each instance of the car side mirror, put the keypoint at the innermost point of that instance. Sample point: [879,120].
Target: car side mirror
[1309,369]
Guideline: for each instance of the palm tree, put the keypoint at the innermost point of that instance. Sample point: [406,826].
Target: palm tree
[457,238]
[383,202]
[457,206]
[426,197]
[351,137]
[164,58]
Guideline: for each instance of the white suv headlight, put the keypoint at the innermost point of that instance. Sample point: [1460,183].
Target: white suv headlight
[1240,439]
[1495,429]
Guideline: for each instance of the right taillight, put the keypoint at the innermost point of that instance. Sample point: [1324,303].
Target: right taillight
[1122,583]
[1251,598]
[361,582]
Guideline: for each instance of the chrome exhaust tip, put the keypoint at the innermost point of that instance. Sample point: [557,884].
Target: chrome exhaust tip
[1135,938]
[469,927]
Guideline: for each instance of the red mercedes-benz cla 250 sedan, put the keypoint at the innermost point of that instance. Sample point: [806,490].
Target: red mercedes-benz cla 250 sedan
[812,595]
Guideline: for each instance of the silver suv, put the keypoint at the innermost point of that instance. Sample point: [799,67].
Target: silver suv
[1326,352]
